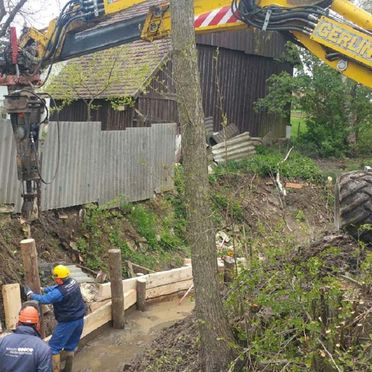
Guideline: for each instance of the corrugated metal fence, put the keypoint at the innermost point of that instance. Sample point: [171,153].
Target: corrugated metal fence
[93,166]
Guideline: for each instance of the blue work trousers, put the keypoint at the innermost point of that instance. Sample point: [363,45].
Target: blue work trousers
[66,336]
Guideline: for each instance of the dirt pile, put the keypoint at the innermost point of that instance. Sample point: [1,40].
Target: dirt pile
[52,235]
[175,349]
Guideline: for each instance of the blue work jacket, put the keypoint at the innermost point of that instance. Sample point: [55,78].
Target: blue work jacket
[68,303]
[24,351]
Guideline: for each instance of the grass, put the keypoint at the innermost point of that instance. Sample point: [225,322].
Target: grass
[297,123]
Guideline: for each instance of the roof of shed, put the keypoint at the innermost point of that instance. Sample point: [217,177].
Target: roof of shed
[132,63]
[137,61]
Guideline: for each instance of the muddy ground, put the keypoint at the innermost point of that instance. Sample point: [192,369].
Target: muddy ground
[112,350]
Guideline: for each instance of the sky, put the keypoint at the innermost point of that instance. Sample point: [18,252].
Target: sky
[38,13]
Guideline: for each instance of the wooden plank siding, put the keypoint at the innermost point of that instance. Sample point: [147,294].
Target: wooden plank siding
[250,41]
[110,119]
[232,82]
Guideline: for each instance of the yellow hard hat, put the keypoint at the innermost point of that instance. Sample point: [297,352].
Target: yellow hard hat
[61,271]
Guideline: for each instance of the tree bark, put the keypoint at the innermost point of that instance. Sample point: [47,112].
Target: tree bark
[216,335]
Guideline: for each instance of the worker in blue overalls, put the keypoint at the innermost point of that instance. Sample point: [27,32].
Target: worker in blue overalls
[69,311]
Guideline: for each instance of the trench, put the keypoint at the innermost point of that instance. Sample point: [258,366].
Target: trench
[111,349]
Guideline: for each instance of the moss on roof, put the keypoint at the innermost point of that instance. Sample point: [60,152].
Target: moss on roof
[115,72]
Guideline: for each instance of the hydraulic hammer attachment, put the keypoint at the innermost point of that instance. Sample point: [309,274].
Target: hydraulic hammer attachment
[27,110]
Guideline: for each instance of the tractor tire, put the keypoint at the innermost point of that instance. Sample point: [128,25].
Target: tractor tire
[353,204]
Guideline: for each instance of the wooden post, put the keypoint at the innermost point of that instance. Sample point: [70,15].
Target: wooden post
[12,304]
[30,264]
[141,293]
[228,274]
[117,295]
[31,270]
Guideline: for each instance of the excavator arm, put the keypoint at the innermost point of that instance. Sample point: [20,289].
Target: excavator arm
[336,31]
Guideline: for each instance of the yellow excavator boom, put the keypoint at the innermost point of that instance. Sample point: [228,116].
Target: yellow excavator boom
[336,31]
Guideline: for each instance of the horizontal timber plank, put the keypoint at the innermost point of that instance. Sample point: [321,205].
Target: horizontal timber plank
[104,290]
[168,289]
[168,277]
[152,281]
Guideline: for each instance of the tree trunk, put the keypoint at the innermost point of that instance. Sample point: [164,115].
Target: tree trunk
[216,336]
[89,109]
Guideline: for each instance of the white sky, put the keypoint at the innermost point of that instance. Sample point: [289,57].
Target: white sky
[38,13]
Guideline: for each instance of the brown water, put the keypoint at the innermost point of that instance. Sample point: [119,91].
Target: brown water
[112,349]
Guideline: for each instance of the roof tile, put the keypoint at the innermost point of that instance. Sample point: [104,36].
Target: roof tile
[129,65]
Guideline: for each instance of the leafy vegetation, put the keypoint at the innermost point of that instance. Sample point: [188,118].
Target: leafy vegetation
[268,162]
[97,76]
[298,312]
[298,125]
[145,237]
[337,111]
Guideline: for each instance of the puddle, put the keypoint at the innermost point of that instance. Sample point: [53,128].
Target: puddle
[111,349]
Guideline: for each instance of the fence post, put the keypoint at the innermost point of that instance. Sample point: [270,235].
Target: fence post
[31,270]
[117,295]
[30,264]
[141,293]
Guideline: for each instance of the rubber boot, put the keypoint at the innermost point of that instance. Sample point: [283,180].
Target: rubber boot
[56,358]
[69,358]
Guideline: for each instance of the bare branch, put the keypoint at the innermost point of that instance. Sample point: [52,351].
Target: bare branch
[330,355]
[2,10]
[11,15]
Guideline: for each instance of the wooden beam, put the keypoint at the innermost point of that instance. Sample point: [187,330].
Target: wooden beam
[104,290]
[31,270]
[153,280]
[169,277]
[229,271]
[168,289]
[12,304]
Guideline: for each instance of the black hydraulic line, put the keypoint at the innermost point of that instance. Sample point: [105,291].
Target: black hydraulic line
[285,15]
[281,19]
[55,39]
[244,8]
[51,48]
[61,16]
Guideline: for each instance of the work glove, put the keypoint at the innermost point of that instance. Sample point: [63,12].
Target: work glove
[28,291]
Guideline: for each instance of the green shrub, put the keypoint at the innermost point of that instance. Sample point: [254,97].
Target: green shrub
[295,312]
[164,246]
[144,220]
[267,162]
[333,107]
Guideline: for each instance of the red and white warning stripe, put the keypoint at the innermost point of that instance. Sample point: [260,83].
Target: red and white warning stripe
[216,17]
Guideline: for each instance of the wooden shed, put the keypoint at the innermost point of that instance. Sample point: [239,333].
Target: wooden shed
[234,67]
